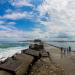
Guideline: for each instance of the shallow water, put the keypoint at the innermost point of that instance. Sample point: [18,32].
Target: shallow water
[64,44]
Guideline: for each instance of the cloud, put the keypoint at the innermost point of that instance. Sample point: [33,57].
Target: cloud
[11,33]
[61,17]
[55,18]
[7,25]
[8,31]
[21,3]
[16,15]
[4,22]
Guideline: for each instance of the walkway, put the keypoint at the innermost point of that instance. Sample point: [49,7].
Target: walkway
[66,61]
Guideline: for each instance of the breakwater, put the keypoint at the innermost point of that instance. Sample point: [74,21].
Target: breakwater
[16,65]
[24,63]
[20,63]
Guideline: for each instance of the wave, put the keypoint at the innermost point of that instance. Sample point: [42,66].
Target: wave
[9,52]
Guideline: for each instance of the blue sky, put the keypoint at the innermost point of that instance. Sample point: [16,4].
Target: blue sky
[30,19]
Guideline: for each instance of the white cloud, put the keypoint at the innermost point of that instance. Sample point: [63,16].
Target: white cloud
[4,27]
[61,16]
[16,15]
[17,35]
[21,3]
[61,20]
[11,23]
[10,32]
[7,25]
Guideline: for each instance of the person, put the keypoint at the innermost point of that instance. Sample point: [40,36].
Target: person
[69,49]
[61,49]
[64,50]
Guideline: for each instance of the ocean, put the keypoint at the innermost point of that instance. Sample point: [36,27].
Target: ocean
[8,49]
[64,44]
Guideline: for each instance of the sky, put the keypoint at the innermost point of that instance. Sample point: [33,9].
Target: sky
[37,19]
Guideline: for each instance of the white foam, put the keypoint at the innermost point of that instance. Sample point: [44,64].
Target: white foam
[8,52]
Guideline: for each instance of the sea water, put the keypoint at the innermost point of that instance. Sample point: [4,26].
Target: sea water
[64,44]
[8,49]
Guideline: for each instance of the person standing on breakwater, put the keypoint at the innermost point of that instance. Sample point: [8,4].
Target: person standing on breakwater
[61,50]
[69,49]
[65,50]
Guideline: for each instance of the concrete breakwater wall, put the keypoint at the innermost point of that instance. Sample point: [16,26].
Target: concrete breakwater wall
[20,64]
[31,62]
[16,65]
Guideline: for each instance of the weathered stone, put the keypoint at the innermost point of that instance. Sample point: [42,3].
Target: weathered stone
[18,66]
[2,72]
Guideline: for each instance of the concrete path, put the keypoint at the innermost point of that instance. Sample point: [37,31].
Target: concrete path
[66,61]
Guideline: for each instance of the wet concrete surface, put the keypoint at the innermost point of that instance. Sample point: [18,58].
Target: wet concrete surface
[65,60]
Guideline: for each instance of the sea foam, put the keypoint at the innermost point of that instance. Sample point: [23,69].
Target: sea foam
[9,52]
